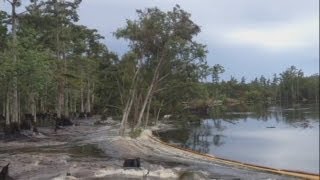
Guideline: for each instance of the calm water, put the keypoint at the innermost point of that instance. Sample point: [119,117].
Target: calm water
[285,138]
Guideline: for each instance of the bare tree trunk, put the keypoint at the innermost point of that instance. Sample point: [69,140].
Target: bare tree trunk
[120,92]
[139,121]
[14,108]
[92,96]
[149,94]
[125,116]
[34,112]
[66,106]
[148,113]
[8,109]
[81,98]
[127,109]
[45,99]
[75,104]
[60,99]
[71,101]
[88,105]
[4,107]
[65,83]
[19,110]
[60,95]
[158,114]
[41,105]
[61,63]
[136,111]
[59,105]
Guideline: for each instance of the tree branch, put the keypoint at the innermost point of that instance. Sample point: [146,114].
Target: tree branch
[163,77]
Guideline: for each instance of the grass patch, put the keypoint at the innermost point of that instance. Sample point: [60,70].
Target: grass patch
[135,133]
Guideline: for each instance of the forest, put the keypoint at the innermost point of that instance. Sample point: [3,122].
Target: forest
[53,68]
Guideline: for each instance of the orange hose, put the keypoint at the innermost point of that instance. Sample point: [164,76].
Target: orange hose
[299,174]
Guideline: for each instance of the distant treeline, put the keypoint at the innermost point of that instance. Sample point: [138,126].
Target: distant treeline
[50,64]
[289,87]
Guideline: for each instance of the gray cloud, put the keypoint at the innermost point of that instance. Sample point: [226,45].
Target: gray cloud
[272,27]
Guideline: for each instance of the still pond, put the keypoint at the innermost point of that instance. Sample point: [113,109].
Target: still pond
[284,138]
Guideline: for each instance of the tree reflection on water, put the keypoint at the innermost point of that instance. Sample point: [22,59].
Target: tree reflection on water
[210,133]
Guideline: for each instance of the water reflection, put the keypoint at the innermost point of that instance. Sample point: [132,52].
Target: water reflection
[274,136]
[209,132]
[217,140]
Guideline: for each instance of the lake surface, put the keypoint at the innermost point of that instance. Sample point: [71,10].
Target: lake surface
[285,138]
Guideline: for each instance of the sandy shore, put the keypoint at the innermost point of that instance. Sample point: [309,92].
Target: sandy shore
[91,151]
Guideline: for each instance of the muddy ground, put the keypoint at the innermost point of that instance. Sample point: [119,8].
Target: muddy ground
[91,151]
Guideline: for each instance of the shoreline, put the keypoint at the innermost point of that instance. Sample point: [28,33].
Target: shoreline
[292,173]
[91,151]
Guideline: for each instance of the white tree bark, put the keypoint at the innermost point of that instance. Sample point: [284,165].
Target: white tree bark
[127,109]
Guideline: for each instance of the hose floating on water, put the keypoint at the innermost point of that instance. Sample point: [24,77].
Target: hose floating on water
[298,174]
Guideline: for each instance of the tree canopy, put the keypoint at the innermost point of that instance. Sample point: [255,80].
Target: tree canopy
[49,63]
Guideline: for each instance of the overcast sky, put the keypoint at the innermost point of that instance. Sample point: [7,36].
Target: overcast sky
[248,37]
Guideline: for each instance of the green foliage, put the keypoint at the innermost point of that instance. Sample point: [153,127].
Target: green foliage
[56,57]
[289,87]
[135,133]
[216,70]
[3,30]
[168,61]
